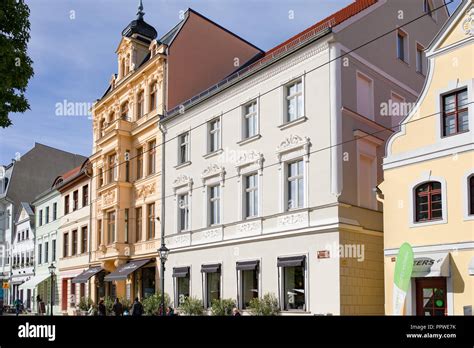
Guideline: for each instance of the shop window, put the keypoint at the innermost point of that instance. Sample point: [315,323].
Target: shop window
[293,282]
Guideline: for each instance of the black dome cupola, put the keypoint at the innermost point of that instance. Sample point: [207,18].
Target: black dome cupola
[140,27]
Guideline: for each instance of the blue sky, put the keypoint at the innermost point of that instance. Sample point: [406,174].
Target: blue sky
[73,46]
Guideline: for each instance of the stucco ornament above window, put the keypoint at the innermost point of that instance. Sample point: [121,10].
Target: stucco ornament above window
[212,170]
[182,180]
[468,24]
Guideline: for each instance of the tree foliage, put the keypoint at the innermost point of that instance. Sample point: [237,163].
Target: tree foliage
[15,65]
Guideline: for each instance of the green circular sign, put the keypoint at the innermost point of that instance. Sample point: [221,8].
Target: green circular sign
[439,303]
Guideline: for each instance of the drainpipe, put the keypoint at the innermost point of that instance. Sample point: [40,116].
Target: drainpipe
[90,227]
[162,205]
[378,194]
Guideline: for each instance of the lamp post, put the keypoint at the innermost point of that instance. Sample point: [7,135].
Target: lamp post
[163,252]
[51,269]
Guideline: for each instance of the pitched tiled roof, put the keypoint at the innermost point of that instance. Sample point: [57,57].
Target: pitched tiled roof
[71,173]
[285,47]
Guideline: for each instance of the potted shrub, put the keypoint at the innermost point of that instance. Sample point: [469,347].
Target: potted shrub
[267,305]
[109,304]
[84,304]
[191,306]
[151,304]
[222,307]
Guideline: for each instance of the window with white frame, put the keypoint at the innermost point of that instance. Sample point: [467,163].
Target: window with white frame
[455,112]
[183,148]
[292,273]
[294,101]
[182,283]
[212,283]
[295,185]
[248,274]
[214,205]
[251,195]
[250,119]
[183,212]
[214,140]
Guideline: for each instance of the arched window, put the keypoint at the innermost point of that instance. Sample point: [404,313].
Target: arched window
[470,187]
[428,202]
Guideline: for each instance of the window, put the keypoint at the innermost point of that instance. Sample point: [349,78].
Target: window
[214,205]
[214,135]
[250,120]
[99,232]
[53,250]
[428,202]
[295,185]
[66,205]
[419,58]
[74,243]
[153,96]
[55,211]
[212,283]
[111,227]
[139,163]
[85,195]
[127,166]
[151,221]
[124,111]
[294,101]
[40,253]
[72,298]
[248,272]
[182,281]
[84,239]
[471,195]
[46,215]
[365,96]
[367,180]
[100,179]
[41,217]
[455,113]
[126,225]
[27,234]
[251,195]
[402,46]
[75,200]
[183,141]
[66,245]
[151,157]
[183,209]
[428,7]
[46,252]
[140,105]
[113,169]
[138,224]
[292,271]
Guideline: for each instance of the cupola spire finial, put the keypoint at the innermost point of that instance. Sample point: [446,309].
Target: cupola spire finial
[140,12]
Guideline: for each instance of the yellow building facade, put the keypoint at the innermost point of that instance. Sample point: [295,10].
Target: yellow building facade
[429,180]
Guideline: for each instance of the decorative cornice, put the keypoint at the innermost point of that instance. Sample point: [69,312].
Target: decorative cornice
[182,180]
[249,157]
[293,142]
[213,170]
[468,23]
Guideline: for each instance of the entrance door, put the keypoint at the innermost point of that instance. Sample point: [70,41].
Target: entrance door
[64,295]
[431,297]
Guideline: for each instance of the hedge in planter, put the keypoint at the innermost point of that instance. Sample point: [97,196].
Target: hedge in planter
[151,304]
[191,306]
[267,305]
[222,307]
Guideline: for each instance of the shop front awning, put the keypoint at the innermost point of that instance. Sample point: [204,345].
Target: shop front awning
[471,267]
[122,272]
[180,272]
[291,261]
[34,281]
[431,265]
[247,265]
[212,268]
[86,275]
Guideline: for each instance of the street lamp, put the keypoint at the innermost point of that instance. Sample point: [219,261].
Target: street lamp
[163,251]
[51,269]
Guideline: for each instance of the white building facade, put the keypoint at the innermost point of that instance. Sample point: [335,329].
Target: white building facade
[270,175]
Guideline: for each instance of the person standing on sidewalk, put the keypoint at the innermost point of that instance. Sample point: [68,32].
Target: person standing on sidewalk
[102,310]
[18,306]
[137,308]
[117,308]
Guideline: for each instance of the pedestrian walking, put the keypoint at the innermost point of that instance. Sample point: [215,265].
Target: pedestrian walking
[102,309]
[117,308]
[18,306]
[137,308]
